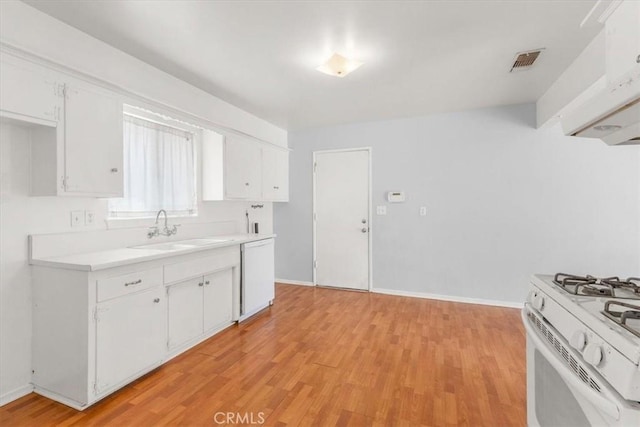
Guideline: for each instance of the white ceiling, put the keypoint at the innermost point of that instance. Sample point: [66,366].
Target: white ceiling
[420,57]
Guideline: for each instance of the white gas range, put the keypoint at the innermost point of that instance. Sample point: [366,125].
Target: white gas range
[583,351]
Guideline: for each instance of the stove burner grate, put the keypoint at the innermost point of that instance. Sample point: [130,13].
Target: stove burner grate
[622,317]
[611,287]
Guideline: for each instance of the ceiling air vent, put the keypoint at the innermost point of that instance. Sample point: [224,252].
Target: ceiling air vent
[525,60]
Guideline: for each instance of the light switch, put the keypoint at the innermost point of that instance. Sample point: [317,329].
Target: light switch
[423,211]
[89,217]
[77,218]
[381,210]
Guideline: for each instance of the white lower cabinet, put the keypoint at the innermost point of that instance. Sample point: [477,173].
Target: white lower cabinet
[217,299]
[199,305]
[94,332]
[130,336]
[185,312]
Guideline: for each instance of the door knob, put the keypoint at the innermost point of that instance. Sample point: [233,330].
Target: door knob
[156,300]
[364,229]
[364,221]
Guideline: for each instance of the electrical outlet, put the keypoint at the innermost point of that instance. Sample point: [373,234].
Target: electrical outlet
[423,211]
[89,217]
[76,218]
[381,210]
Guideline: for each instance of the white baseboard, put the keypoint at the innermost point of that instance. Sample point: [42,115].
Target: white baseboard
[465,300]
[294,282]
[15,394]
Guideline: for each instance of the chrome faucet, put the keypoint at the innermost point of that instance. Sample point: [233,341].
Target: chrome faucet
[155,231]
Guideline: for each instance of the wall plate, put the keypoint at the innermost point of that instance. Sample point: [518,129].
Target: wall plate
[77,218]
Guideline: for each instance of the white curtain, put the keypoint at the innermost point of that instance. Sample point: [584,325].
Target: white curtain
[159,170]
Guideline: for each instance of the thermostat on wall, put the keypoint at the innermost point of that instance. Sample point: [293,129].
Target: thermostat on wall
[395,196]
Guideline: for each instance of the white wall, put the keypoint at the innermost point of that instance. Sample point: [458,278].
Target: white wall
[20,215]
[504,200]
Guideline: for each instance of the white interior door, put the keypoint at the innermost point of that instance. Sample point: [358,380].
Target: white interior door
[341,212]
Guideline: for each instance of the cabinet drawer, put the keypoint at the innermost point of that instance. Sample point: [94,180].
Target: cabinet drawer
[128,283]
[219,259]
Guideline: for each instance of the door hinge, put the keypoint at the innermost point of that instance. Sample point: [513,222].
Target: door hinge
[95,388]
[315,264]
[65,182]
[95,314]
[315,166]
[315,216]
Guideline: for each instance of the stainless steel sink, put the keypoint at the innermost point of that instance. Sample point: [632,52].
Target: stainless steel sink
[181,244]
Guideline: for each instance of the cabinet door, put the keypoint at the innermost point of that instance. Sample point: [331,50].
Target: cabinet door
[623,40]
[28,89]
[217,299]
[242,166]
[130,336]
[93,140]
[282,168]
[185,311]
[269,174]
[275,174]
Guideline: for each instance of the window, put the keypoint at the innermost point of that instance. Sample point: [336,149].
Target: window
[159,171]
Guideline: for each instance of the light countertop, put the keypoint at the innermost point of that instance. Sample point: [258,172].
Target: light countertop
[94,261]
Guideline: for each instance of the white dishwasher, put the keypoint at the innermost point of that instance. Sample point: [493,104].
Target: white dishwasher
[258,277]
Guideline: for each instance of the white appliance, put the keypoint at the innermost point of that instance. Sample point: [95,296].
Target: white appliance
[583,351]
[613,115]
[258,277]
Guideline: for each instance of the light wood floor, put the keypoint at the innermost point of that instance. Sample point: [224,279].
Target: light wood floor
[328,357]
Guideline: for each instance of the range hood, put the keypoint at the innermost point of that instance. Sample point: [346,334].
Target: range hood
[612,115]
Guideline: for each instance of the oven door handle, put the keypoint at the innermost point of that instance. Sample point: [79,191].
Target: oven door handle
[606,405]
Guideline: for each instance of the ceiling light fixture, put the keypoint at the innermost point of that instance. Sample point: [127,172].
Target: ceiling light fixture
[339,66]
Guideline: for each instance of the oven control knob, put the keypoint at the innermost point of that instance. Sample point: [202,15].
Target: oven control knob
[538,302]
[578,340]
[532,296]
[593,354]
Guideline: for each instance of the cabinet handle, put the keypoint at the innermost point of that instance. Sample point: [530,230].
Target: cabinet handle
[137,282]
[206,283]
[156,300]
[246,183]
[638,59]
[200,284]
[276,188]
[114,170]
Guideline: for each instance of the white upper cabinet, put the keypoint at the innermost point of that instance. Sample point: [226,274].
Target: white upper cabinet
[93,140]
[238,169]
[623,41]
[28,90]
[76,147]
[242,169]
[275,174]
